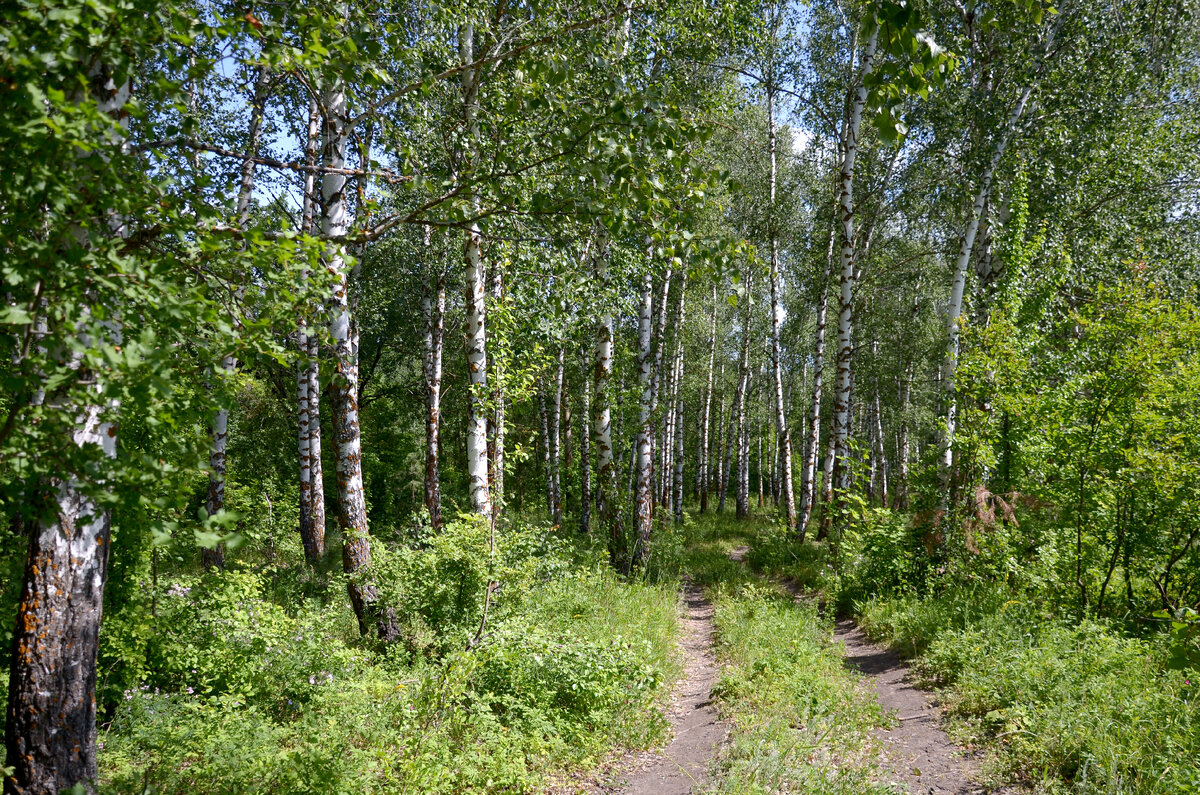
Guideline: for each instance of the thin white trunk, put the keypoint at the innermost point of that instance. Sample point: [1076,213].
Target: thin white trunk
[879,456]
[903,444]
[705,467]
[476,309]
[585,458]
[781,426]
[308,396]
[433,305]
[606,472]
[496,421]
[740,418]
[954,310]
[643,486]
[841,425]
[556,443]
[808,476]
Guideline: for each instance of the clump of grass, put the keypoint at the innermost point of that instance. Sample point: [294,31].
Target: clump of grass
[800,721]
[1068,707]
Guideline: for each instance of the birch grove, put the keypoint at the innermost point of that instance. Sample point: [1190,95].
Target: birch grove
[635,219]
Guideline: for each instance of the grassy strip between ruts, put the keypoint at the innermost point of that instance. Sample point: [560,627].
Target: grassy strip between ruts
[799,721]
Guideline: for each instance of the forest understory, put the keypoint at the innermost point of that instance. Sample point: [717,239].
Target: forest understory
[600,396]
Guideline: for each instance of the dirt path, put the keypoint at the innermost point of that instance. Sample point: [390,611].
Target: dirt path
[682,767]
[917,754]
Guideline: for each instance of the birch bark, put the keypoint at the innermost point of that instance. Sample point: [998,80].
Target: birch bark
[476,311]
[841,425]
[705,468]
[433,305]
[643,499]
[606,473]
[785,435]
[556,442]
[308,396]
[808,476]
[50,720]
[740,418]
[352,506]
[585,459]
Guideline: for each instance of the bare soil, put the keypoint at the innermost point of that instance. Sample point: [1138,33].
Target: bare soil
[917,755]
[682,767]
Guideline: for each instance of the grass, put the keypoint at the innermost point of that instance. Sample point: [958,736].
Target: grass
[244,695]
[800,722]
[1064,707]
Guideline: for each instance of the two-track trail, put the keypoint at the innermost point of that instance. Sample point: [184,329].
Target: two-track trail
[916,754]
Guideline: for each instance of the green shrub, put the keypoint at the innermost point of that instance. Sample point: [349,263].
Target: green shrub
[243,695]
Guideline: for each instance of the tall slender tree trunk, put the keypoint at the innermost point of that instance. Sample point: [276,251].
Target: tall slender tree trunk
[785,435]
[725,449]
[643,499]
[496,420]
[808,476]
[215,502]
[954,309]
[555,421]
[841,425]
[677,478]
[674,387]
[352,506]
[50,720]
[606,472]
[585,458]
[544,427]
[880,455]
[741,420]
[476,309]
[705,467]
[827,488]
[903,444]
[434,309]
[658,450]
[308,387]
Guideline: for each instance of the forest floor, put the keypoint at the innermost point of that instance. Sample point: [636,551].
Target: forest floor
[917,755]
[912,752]
[681,767]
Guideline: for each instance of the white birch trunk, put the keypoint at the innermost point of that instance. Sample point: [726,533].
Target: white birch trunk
[954,310]
[556,443]
[352,507]
[606,472]
[643,486]
[476,310]
[433,305]
[585,458]
[841,425]
[808,476]
[740,419]
[308,397]
[705,467]
[785,435]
